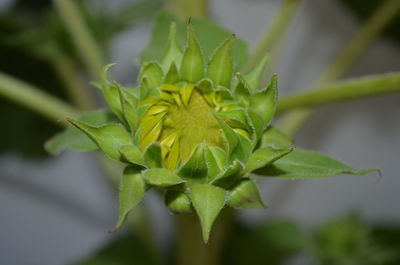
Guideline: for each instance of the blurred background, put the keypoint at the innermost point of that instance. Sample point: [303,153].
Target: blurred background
[58,210]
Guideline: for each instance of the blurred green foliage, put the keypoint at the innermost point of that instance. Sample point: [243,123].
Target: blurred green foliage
[125,250]
[342,241]
[32,40]
[365,8]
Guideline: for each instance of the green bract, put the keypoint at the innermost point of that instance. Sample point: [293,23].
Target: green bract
[196,129]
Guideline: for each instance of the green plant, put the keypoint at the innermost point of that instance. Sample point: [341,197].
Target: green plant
[198,131]
[197,126]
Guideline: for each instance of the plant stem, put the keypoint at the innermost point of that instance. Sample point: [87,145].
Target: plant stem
[191,248]
[357,45]
[33,98]
[80,34]
[184,9]
[341,91]
[276,31]
[66,69]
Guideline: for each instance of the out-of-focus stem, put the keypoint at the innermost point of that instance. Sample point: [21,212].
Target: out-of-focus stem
[357,45]
[276,31]
[191,247]
[77,92]
[341,91]
[35,99]
[184,9]
[81,36]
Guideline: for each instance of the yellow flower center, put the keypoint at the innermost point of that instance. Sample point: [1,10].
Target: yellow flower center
[180,119]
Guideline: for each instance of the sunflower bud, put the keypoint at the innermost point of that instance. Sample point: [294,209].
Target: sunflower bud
[192,127]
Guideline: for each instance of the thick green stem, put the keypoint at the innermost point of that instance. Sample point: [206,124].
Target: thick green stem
[184,9]
[33,98]
[78,94]
[81,36]
[191,247]
[276,31]
[357,45]
[341,91]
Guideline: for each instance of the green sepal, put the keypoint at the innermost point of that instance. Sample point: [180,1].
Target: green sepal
[172,75]
[130,153]
[225,92]
[110,137]
[152,155]
[178,202]
[301,164]
[208,201]
[173,53]
[230,175]
[235,118]
[161,177]
[205,85]
[245,195]
[216,160]
[264,102]
[192,65]
[129,104]
[275,138]
[220,67]
[257,125]
[194,170]
[144,88]
[242,150]
[154,74]
[231,137]
[111,92]
[242,90]
[131,191]
[265,156]
[73,138]
[253,77]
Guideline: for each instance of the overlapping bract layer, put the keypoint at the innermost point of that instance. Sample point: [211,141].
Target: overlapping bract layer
[191,127]
[197,129]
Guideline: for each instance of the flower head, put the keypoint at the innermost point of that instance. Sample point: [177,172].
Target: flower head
[194,127]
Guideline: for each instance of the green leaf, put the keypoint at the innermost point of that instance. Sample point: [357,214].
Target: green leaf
[172,76]
[229,176]
[74,139]
[275,138]
[192,66]
[301,164]
[253,77]
[153,73]
[111,92]
[209,35]
[235,118]
[232,139]
[245,195]
[205,85]
[264,102]
[131,191]
[109,137]
[216,160]
[194,170]
[131,154]
[173,54]
[257,125]
[243,150]
[161,177]
[129,104]
[178,202]
[265,156]
[242,90]
[220,67]
[208,201]
[152,155]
